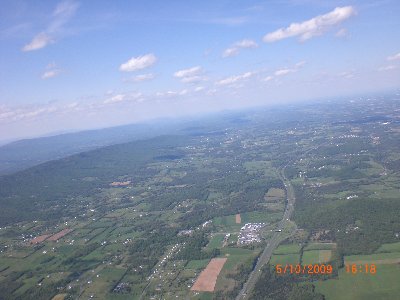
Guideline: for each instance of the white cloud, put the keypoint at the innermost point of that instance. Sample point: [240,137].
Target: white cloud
[394,57]
[285,71]
[234,79]
[300,64]
[341,33]
[282,72]
[388,68]
[40,41]
[138,63]
[141,77]
[115,99]
[230,52]
[22,113]
[347,74]
[51,71]
[50,74]
[61,15]
[246,44]
[191,75]
[199,88]
[313,27]
[188,72]
[172,93]
[193,79]
[268,78]
[235,48]
[123,97]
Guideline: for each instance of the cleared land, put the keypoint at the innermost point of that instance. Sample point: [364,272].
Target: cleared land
[59,235]
[238,219]
[208,277]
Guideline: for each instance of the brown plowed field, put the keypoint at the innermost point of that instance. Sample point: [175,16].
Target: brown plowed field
[208,277]
[59,235]
[238,219]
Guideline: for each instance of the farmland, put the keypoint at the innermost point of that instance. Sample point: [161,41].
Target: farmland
[382,285]
[145,218]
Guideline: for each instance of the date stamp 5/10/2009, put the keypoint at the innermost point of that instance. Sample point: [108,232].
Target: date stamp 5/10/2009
[320,269]
[298,269]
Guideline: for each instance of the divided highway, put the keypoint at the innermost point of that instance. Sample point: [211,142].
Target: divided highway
[272,243]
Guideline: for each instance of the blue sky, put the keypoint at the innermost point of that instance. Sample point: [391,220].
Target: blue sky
[68,65]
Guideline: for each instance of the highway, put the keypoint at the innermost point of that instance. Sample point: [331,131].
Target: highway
[275,240]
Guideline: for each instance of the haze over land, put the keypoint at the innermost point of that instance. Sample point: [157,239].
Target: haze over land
[74,65]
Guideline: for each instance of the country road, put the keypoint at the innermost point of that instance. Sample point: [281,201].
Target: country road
[272,243]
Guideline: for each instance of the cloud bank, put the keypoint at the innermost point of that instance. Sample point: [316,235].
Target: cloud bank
[313,27]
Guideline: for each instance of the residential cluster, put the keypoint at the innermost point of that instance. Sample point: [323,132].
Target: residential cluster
[250,233]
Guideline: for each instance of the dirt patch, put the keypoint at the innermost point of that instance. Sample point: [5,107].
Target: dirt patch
[238,219]
[208,277]
[59,297]
[59,235]
[120,183]
[388,261]
[39,239]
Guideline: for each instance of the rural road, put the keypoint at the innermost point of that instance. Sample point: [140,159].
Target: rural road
[276,239]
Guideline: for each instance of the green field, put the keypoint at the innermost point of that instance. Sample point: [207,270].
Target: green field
[225,221]
[373,257]
[285,259]
[235,257]
[316,256]
[216,241]
[320,246]
[384,285]
[260,217]
[287,249]
[197,264]
[393,247]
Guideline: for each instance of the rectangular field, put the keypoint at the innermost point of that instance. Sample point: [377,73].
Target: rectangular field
[208,277]
[59,235]
[238,219]
[316,256]
[277,259]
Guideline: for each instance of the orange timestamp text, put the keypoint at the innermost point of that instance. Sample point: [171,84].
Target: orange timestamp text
[314,269]
[361,269]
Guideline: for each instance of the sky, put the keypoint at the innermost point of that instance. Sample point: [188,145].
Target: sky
[74,65]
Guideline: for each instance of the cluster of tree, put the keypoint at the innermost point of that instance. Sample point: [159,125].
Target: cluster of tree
[145,253]
[37,192]
[10,284]
[169,198]
[79,252]
[360,225]
[283,287]
[193,248]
